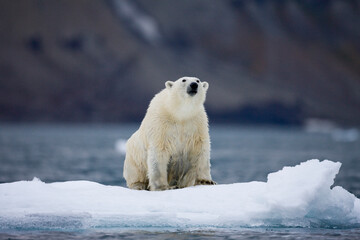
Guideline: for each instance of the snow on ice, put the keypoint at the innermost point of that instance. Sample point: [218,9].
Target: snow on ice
[299,196]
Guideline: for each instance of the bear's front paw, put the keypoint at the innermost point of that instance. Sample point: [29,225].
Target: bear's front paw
[159,188]
[205,182]
[139,186]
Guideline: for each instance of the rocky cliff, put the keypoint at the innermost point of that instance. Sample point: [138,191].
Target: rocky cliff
[266,61]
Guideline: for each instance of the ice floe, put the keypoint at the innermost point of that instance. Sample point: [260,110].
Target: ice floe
[299,196]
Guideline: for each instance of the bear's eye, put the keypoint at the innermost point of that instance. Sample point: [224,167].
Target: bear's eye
[197,81]
[184,80]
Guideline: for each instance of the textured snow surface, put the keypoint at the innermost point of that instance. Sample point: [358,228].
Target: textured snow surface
[299,196]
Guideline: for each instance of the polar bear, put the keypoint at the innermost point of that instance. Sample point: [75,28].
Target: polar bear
[171,149]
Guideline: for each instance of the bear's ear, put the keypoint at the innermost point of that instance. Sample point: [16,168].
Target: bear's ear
[205,85]
[169,84]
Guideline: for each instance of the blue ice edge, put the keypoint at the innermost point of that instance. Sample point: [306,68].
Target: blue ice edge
[299,196]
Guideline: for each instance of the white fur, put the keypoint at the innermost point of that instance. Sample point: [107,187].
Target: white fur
[171,149]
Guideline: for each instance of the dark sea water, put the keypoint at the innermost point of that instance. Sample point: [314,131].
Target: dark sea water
[239,154]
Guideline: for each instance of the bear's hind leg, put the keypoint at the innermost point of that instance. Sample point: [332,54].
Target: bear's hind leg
[139,186]
[135,175]
[135,168]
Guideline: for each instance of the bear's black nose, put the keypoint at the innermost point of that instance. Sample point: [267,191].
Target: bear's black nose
[194,86]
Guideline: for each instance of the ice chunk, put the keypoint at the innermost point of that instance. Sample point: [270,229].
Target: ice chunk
[337,133]
[120,146]
[299,196]
[314,125]
[345,135]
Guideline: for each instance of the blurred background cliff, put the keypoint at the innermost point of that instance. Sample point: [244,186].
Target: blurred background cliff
[272,62]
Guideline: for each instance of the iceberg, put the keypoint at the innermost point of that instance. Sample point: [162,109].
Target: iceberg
[299,196]
[120,146]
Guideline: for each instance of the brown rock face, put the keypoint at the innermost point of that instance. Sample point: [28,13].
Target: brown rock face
[266,61]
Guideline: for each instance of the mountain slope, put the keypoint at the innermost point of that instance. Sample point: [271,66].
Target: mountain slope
[269,62]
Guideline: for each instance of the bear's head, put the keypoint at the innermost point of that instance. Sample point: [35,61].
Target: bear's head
[188,88]
[186,95]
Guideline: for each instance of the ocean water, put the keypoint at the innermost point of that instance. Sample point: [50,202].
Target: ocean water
[57,153]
